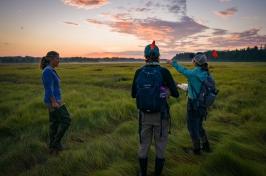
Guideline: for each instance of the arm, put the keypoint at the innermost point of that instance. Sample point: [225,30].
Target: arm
[170,83]
[186,72]
[47,82]
[134,86]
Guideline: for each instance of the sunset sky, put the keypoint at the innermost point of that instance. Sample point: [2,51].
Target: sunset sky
[108,28]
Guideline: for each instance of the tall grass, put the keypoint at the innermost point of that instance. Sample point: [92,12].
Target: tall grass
[103,139]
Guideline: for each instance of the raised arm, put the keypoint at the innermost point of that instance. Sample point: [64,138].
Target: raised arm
[186,72]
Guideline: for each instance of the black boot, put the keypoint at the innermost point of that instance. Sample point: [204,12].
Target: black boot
[206,147]
[205,144]
[196,147]
[159,163]
[60,133]
[143,164]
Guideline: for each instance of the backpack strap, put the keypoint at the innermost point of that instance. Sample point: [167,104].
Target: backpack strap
[194,91]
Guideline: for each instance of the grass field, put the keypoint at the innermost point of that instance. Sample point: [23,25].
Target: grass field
[103,139]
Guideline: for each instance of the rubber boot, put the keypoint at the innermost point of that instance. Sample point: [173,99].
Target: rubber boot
[196,147]
[143,164]
[60,133]
[206,145]
[159,163]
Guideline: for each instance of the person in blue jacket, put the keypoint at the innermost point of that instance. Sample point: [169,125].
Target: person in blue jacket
[195,115]
[59,117]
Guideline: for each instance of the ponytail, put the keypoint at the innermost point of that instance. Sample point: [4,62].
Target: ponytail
[46,59]
[205,67]
[44,62]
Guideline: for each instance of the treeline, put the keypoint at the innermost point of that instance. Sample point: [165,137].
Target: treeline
[30,59]
[255,54]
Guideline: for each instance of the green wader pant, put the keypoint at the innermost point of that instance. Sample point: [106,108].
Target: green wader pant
[59,122]
[153,126]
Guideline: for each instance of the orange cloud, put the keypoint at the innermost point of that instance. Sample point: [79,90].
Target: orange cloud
[166,32]
[122,54]
[86,4]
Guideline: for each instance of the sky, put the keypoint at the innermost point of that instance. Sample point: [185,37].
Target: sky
[122,28]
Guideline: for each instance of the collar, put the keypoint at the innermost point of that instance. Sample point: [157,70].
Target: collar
[152,63]
[50,67]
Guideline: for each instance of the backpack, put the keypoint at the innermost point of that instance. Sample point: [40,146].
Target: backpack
[149,83]
[207,94]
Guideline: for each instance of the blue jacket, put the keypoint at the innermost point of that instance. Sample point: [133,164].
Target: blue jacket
[51,83]
[194,77]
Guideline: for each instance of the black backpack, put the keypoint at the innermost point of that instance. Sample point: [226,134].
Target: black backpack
[149,83]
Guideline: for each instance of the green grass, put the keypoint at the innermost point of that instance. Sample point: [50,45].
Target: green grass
[103,139]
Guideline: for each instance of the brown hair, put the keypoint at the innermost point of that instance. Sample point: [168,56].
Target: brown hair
[205,67]
[46,59]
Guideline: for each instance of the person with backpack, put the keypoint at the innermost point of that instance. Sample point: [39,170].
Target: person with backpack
[151,87]
[58,114]
[201,94]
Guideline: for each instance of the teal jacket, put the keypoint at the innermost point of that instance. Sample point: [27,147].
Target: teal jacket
[194,77]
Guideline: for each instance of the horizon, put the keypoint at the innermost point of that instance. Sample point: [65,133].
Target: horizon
[116,28]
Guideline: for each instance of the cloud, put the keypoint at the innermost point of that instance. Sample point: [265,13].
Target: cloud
[94,21]
[142,9]
[246,38]
[195,43]
[224,0]
[226,13]
[86,4]
[71,23]
[124,54]
[219,32]
[167,32]
[177,6]
[176,33]
[4,43]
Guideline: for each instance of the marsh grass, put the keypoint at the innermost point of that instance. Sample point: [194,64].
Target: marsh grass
[103,139]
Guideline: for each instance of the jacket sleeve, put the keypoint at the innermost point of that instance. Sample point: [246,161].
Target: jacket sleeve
[170,83]
[186,72]
[134,86]
[47,79]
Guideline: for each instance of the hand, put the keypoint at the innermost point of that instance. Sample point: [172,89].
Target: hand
[169,62]
[55,105]
[168,93]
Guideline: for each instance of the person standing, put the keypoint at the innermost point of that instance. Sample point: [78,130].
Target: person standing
[59,116]
[151,87]
[196,112]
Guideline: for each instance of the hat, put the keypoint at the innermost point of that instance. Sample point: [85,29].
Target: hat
[151,50]
[200,58]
